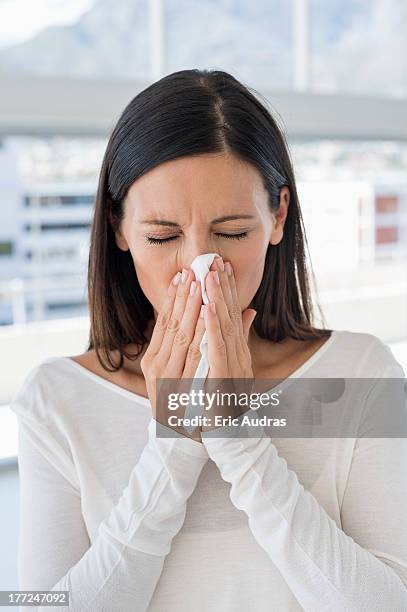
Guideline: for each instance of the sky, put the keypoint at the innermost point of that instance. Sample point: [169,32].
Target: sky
[21,19]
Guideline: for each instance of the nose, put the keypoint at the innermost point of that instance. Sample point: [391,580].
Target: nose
[201,266]
[201,246]
[203,263]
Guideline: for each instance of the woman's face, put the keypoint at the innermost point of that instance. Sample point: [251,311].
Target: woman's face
[190,197]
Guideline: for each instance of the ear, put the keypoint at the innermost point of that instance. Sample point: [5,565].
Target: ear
[121,241]
[280,216]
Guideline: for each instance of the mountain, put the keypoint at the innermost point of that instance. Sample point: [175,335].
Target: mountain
[356,46]
[111,40]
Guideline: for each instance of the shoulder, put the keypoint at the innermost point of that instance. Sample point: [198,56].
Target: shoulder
[368,354]
[42,385]
[87,360]
[39,405]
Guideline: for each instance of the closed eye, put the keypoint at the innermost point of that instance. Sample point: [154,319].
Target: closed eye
[151,240]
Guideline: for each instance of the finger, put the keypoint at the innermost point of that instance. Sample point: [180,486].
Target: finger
[175,319]
[228,330]
[185,334]
[228,284]
[162,318]
[216,346]
[247,319]
[236,311]
[194,353]
[224,281]
[238,353]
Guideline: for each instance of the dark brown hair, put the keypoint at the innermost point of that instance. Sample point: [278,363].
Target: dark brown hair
[192,112]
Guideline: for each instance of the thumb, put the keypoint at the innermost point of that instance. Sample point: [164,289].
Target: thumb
[247,319]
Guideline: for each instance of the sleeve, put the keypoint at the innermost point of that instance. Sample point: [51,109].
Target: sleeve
[120,569]
[363,566]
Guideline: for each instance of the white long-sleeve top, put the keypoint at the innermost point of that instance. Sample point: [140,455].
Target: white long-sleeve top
[130,521]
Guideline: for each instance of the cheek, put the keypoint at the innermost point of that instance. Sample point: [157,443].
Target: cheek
[148,275]
[248,271]
[154,276]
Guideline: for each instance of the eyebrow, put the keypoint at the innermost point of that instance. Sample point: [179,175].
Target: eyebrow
[152,221]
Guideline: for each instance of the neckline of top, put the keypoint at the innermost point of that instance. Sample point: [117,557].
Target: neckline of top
[146,402]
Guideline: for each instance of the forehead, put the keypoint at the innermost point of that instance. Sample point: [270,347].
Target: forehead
[210,181]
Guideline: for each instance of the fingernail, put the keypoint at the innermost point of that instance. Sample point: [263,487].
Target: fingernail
[176,278]
[216,276]
[184,275]
[220,263]
[228,268]
[192,288]
[201,314]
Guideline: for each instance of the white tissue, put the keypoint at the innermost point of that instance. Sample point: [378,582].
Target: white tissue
[200,266]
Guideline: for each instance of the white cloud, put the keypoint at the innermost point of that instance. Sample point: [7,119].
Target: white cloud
[21,19]
[369,55]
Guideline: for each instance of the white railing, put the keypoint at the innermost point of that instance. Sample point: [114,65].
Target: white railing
[17,293]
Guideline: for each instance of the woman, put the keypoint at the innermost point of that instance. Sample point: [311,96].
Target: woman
[126,519]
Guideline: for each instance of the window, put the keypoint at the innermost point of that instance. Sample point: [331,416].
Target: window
[46,227]
[6,248]
[359,47]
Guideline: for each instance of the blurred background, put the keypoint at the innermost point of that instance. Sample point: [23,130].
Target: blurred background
[334,73]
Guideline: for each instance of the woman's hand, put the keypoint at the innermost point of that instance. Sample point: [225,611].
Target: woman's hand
[173,351]
[228,332]
[228,329]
